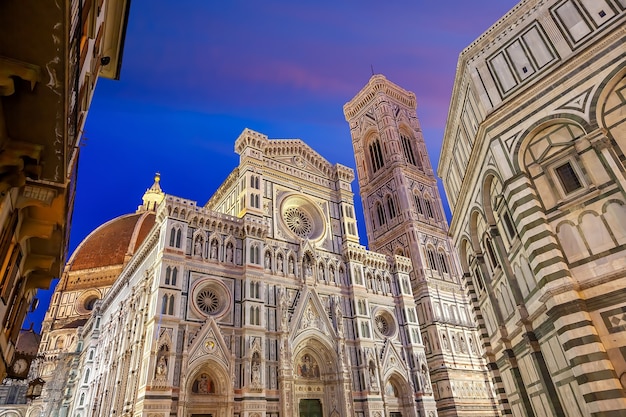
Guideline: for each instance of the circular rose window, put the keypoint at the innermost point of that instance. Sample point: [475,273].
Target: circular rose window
[382,325]
[385,323]
[208,301]
[298,221]
[302,217]
[211,298]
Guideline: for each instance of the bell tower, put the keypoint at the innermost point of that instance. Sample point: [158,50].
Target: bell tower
[404,216]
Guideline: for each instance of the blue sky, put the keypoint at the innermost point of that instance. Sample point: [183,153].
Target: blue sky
[195,73]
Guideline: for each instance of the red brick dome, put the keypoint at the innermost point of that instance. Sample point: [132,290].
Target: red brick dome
[112,243]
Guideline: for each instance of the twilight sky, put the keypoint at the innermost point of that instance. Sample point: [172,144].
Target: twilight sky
[195,73]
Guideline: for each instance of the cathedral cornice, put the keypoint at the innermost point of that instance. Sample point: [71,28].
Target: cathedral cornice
[187,211]
[223,189]
[402,264]
[378,84]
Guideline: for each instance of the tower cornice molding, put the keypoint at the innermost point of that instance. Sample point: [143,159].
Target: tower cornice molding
[376,86]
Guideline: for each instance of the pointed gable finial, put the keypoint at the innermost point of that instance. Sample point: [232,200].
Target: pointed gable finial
[153,195]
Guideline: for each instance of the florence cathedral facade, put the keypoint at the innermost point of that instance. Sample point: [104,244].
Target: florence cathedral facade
[262,302]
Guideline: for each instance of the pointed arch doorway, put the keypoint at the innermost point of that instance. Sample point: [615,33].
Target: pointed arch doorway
[397,395]
[208,392]
[317,388]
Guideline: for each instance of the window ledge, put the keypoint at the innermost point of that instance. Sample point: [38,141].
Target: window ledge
[582,195]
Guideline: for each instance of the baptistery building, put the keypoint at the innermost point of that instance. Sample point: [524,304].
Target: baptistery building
[533,164]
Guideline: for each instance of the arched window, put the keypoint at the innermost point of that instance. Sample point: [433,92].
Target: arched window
[408,149]
[174,275]
[509,224]
[252,181]
[430,254]
[376,155]
[254,289]
[491,253]
[479,279]
[82,399]
[391,206]
[429,208]
[168,275]
[178,236]
[418,204]
[164,304]
[254,254]
[172,236]
[170,309]
[255,316]
[86,379]
[443,261]
[365,330]
[380,211]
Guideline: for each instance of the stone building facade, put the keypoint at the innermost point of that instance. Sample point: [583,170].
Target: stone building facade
[533,164]
[51,55]
[262,302]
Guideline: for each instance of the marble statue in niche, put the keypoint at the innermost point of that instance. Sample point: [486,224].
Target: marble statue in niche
[229,253]
[214,249]
[198,247]
[279,263]
[161,369]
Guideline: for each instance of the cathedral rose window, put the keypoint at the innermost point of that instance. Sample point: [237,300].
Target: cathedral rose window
[302,217]
[298,221]
[382,325]
[385,324]
[208,301]
[210,297]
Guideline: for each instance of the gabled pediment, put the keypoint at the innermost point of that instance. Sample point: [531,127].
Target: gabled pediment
[310,315]
[209,343]
[299,155]
[392,361]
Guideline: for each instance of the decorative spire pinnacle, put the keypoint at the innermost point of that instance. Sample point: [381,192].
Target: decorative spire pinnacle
[153,195]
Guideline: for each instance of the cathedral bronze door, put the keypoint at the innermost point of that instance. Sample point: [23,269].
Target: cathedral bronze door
[310,408]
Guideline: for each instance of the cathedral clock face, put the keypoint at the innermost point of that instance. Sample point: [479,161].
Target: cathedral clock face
[20,366]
